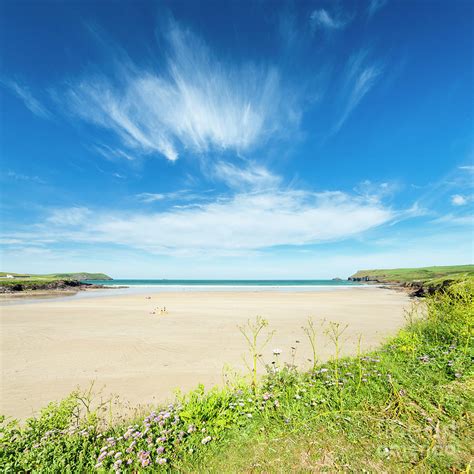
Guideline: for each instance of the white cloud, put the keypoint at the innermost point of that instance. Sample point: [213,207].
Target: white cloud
[359,79]
[456,220]
[468,168]
[321,18]
[458,200]
[375,191]
[68,217]
[238,225]
[111,153]
[30,102]
[24,177]
[181,195]
[252,176]
[197,103]
[150,197]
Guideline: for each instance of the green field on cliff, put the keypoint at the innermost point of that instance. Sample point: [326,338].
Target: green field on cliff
[32,280]
[403,275]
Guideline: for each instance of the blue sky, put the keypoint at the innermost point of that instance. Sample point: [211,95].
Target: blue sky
[236,140]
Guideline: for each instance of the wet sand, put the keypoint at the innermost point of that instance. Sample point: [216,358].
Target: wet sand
[48,348]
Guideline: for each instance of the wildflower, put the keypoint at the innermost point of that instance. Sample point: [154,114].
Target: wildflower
[206,440]
[249,415]
[276,403]
[192,428]
[277,352]
[161,461]
[266,396]
[160,450]
[117,455]
[99,464]
[323,370]
[457,375]
[102,456]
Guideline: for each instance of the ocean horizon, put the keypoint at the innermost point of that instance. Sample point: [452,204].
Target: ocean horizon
[183,283]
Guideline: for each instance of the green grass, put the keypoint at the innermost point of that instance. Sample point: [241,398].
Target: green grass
[31,281]
[59,276]
[404,407]
[420,274]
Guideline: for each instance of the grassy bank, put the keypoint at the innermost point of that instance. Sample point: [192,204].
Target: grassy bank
[420,281]
[21,282]
[404,275]
[406,406]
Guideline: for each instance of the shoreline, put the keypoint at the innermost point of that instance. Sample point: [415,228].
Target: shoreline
[94,291]
[130,346]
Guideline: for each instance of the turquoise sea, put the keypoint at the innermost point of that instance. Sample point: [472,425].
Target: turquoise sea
[222,283]
[147,287]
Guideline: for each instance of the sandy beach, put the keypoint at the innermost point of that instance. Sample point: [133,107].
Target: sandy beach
[48,348]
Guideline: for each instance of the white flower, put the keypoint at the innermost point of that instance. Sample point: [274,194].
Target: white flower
[277,352]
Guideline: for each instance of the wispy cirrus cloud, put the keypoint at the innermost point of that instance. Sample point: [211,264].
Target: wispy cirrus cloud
[111,153]
[197,102]
[359,78]
[23,177]
[457,220]
[29,101]
[181,195]
[239,224]
[252,176]
[322,19]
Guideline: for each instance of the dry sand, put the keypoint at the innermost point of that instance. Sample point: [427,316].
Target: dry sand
[48,348]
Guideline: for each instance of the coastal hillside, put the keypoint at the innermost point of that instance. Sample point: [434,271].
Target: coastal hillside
[420,280]
[16,282]
[399,275]
[68,276]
